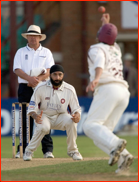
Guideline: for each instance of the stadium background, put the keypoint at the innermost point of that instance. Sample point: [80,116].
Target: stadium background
[71,28]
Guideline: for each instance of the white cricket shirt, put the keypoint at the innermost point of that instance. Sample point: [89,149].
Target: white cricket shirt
[54,102]
[109,59]
[27,59]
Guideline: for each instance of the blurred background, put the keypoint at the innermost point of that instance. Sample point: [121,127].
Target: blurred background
[71,28]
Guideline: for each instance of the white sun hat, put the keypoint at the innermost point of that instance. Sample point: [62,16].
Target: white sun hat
[34,30]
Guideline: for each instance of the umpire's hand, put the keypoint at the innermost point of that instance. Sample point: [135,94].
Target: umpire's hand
[33,81]
[76,117]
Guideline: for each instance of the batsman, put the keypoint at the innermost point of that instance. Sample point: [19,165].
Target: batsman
[111,95]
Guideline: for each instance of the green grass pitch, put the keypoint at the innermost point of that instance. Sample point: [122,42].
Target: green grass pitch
[90,170]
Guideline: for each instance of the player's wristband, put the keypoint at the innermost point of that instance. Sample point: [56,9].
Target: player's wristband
[33,114]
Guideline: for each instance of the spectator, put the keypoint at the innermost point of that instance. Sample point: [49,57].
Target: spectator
[130,74]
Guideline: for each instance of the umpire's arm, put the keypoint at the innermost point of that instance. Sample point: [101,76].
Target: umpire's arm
[33,81]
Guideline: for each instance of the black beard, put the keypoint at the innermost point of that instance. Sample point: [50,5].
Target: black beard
[55,83]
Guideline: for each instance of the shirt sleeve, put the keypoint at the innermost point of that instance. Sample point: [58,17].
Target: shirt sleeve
[17,60]
[49,60]
[97,57]
[35,100]
[74,104]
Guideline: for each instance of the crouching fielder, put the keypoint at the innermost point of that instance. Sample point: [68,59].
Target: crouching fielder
[111,96]
[54,96]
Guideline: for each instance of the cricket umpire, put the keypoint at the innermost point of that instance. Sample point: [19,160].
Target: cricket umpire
[28,58]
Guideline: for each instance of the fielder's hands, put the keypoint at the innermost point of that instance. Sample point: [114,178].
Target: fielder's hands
[76,117]
[105,18]
[37,117]
[92,85]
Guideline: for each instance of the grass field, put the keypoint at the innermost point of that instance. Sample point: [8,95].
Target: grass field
[94,167]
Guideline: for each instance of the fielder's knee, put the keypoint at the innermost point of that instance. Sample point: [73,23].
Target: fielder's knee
[46,129]
[43,128]
[70,123]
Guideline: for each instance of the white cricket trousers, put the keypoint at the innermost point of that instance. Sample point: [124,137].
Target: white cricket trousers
[63,122]
[110,101]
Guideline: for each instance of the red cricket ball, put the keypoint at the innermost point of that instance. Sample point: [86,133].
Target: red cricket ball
[101,9]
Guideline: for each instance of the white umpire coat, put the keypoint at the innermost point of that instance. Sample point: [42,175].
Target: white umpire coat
[28,59]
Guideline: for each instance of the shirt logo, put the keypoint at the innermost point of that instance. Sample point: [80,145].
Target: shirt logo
[47,98]
[53,106]
[49,83]
[62,101]
[116,53]
[26,57]
[32,105]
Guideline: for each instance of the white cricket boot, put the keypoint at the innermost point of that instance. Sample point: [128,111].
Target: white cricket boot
[48,155]
[124,163]
[75,156]
[17,155]
[115,154]
[27,156]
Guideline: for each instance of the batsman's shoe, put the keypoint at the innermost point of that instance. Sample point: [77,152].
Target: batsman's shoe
[48,155]
[115,154]
[125,163]
[76,156]
[27,156]
[17,155]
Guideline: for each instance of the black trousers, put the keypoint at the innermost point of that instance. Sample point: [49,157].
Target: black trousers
[24,95]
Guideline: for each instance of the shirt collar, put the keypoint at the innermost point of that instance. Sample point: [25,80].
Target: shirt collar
[30,49]
[50,85]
